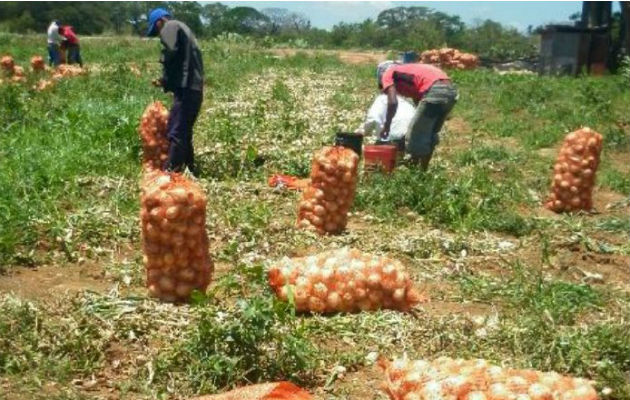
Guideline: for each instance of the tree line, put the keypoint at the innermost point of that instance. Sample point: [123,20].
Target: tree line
[399,28]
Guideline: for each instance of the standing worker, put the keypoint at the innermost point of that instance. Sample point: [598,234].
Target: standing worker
[72,45]
[182,75]
[54,40]
[433,94]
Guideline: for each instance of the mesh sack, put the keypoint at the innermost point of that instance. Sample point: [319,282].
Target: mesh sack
[174,239]
[343,280]
[326,201]
[574,172]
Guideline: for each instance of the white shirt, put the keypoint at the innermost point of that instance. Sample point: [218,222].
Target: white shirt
[377,113]
[53,34]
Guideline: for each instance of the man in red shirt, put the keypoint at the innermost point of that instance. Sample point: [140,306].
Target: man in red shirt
[72,44]
[432,92]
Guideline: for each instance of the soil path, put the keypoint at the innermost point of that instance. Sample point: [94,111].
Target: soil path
[349,57]
[44,281]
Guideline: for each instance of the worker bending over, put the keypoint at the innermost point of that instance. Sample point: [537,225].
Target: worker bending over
[434,95]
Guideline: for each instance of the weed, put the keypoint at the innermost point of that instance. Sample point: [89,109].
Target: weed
[257,339]
[468,203]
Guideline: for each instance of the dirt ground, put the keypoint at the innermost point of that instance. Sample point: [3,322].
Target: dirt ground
[349,57]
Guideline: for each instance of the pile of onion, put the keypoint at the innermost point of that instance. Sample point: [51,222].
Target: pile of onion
[263,391]
[18,74]
[343,280]
[13,71]
[174,239]
[37,63]
[67,70]
[43,84]
[450,58]
[7,63]
[574,172]
[326,201]
[153,135]
[446,378]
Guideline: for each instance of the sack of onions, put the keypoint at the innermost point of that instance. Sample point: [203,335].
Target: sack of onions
[264,391]
[327,200]
[574,172]
[447,378]
[343,280]
[153,135]
[450,58]
[174,240]
[37,63]
[7,63]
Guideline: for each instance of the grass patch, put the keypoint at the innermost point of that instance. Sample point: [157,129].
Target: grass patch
[256,339]
[51,344]
[470,202]
[615,180]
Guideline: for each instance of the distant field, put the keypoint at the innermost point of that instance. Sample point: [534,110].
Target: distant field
[508,280]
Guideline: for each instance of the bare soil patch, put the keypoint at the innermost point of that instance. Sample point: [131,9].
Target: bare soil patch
[348,57]
[44,281]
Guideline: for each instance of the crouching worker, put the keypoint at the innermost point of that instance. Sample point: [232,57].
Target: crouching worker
[183,76]
[433,94]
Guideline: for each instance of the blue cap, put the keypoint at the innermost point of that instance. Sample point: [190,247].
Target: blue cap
[154,16]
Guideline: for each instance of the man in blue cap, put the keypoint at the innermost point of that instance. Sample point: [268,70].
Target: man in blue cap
[183,76]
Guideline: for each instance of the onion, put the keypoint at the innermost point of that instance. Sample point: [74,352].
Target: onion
[516,384]
[315,220]
[316,304]
[187,274]
[333,301]
[166,284]
[183,290]
[538,391]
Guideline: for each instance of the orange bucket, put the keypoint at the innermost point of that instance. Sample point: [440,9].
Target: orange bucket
[379,156]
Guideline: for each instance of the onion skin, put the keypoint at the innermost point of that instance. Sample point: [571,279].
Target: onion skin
[574,172]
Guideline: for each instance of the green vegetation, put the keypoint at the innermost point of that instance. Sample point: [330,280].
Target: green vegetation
[508,281]
[401,28]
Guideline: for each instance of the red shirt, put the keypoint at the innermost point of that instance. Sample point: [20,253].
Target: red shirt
[412,80]
[69,34]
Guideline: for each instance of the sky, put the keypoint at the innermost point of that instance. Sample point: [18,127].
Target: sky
[518,14]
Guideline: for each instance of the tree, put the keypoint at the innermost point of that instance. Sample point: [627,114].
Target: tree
[189,12]
[213,17]
[281,20]
[246,20]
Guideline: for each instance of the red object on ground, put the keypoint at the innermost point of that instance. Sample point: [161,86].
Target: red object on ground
[383,155]
[265,391]
[290,182]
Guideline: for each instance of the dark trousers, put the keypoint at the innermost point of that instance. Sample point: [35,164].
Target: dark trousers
[74,54]
[179,130]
